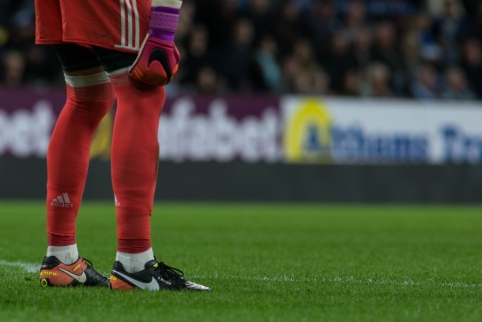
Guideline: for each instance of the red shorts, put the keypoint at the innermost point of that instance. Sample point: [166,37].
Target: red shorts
[113,24]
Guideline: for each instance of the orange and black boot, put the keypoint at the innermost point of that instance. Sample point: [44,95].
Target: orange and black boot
[54,273]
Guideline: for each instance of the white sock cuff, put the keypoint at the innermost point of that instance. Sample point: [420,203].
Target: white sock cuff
[66,254]
[87,80]
[134,262]
[147,254]
[167,3]
[60,249]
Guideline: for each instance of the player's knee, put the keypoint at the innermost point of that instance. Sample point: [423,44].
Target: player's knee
[95,87]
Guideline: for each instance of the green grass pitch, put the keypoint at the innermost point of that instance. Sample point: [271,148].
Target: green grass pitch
[275,262]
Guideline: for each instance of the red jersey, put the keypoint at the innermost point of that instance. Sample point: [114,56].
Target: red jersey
[113,24]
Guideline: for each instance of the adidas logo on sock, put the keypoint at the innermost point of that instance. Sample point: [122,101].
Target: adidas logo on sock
[62,201]
[117,203]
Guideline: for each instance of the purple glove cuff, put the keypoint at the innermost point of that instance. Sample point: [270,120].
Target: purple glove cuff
[162,19]
[166,9]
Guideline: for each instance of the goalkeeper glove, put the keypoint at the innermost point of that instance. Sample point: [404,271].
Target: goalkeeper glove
[158,58]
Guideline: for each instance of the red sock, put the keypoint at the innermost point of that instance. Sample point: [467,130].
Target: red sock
[89,98]
[135,160]
[59,240]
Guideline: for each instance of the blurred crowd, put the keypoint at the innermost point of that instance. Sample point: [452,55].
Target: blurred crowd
[370,48]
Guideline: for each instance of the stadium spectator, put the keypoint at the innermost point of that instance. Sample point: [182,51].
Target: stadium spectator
[258,13]
[456,86]
[351,83]
[305,57]
[14,66]
[378,84]
[197,55]
[385,48]
[362,48]
[287,26]
[472,64]
[356,19]
[449,28]
[425,85]
[236,56]
[321,84]
[338,61]
[186,20]
[207,81]
[319,23]
[474,12]
[289,71]
[411,62]
[430,49]
[267,61]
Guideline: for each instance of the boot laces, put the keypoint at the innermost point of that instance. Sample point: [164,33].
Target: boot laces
[170,273]
[88,262]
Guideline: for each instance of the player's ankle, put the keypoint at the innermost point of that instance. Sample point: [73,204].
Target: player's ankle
[66,254]
[134,262]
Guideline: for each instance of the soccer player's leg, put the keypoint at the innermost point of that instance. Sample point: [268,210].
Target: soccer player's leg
[135,160]
[90,96]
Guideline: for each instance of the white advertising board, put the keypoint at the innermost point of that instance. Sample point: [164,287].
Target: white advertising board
[380,131]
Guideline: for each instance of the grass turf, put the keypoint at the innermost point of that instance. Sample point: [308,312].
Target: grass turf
[279,262]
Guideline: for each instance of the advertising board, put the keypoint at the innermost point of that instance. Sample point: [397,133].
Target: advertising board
[287,129]
[380,131]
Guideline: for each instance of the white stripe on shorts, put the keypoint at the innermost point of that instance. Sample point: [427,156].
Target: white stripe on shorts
[129,12]
[123,23]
